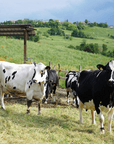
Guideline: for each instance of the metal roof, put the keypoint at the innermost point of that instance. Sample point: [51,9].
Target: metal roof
[16,30]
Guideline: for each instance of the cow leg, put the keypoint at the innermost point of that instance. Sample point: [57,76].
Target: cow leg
[39,108]
[110,116]
[54,97]
[101,119]
[77,102]
[68,97]
[73,96]
[81,105]
[46,101]
[2,101]
[28,105]
[93,117]
[2,98]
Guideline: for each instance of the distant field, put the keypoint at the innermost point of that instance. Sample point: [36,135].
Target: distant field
[55,49]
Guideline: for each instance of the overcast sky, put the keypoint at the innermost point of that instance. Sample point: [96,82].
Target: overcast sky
[73,10]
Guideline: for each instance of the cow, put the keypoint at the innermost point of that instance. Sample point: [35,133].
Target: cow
[71,83]
[51,84]
[96,92]
[23,80]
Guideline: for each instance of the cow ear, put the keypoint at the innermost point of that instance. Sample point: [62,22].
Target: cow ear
[47,68]
[34,63]
[101,67]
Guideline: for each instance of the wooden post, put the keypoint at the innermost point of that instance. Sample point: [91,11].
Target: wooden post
[58,73]
[54,67]
[50,64]
[25,40]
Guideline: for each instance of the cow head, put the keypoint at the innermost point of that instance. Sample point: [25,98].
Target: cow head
[40,73]
[109,68]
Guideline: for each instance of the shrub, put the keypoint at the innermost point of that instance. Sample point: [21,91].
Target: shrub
[46,34]
[92,48]
[79,33]
[56,31]
[71,46]
[36,38]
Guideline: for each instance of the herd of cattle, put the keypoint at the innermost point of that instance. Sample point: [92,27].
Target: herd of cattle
[93,89]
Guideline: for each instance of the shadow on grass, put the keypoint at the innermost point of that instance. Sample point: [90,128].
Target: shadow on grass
[41,121]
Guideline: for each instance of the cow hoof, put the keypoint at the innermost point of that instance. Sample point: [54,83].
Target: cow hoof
[103,132]
[28,112]
[80,121]
[3,108]
[77,106]
[45,102]
[94,123]
[39,113]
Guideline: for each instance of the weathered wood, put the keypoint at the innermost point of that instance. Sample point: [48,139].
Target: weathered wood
[62,78]
[25,39]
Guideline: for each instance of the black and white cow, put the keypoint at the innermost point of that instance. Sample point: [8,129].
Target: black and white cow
[96,92]
[51,84]
[71,83]
[23,79]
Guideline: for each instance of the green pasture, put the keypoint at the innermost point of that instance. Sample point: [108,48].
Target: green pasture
[55,49]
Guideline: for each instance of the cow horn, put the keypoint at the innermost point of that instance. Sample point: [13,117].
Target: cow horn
[34,63]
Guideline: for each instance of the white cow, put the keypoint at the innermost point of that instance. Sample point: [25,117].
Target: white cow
[23,79]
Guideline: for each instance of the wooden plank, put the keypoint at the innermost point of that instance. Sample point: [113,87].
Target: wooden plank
[62,78]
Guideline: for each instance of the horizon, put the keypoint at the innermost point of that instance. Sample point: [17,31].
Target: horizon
[100,11]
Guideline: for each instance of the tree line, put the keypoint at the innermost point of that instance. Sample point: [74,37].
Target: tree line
[93,48]
[55,23]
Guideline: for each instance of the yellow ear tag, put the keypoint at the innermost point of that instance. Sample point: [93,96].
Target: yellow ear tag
[101,68]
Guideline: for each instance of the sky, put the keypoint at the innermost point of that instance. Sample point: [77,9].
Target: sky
[71,10]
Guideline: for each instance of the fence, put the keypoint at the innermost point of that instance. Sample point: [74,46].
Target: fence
[59,71]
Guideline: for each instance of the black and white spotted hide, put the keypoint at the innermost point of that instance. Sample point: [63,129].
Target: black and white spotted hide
[52,81]
[71,84]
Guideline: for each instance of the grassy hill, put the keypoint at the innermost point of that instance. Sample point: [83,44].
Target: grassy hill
[55,49]
[57,46]
[55,125]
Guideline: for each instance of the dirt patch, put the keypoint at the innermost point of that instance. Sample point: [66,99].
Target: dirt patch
[61,100]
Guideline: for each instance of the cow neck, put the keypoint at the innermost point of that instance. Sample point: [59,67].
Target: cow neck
[49,75]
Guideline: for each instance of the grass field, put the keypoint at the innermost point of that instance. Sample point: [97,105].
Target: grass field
[55,125]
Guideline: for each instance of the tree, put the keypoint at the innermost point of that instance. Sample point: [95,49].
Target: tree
[75,33]
[71,26]
[86,21]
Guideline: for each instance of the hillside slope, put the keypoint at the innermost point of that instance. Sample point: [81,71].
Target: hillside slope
[52,49]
